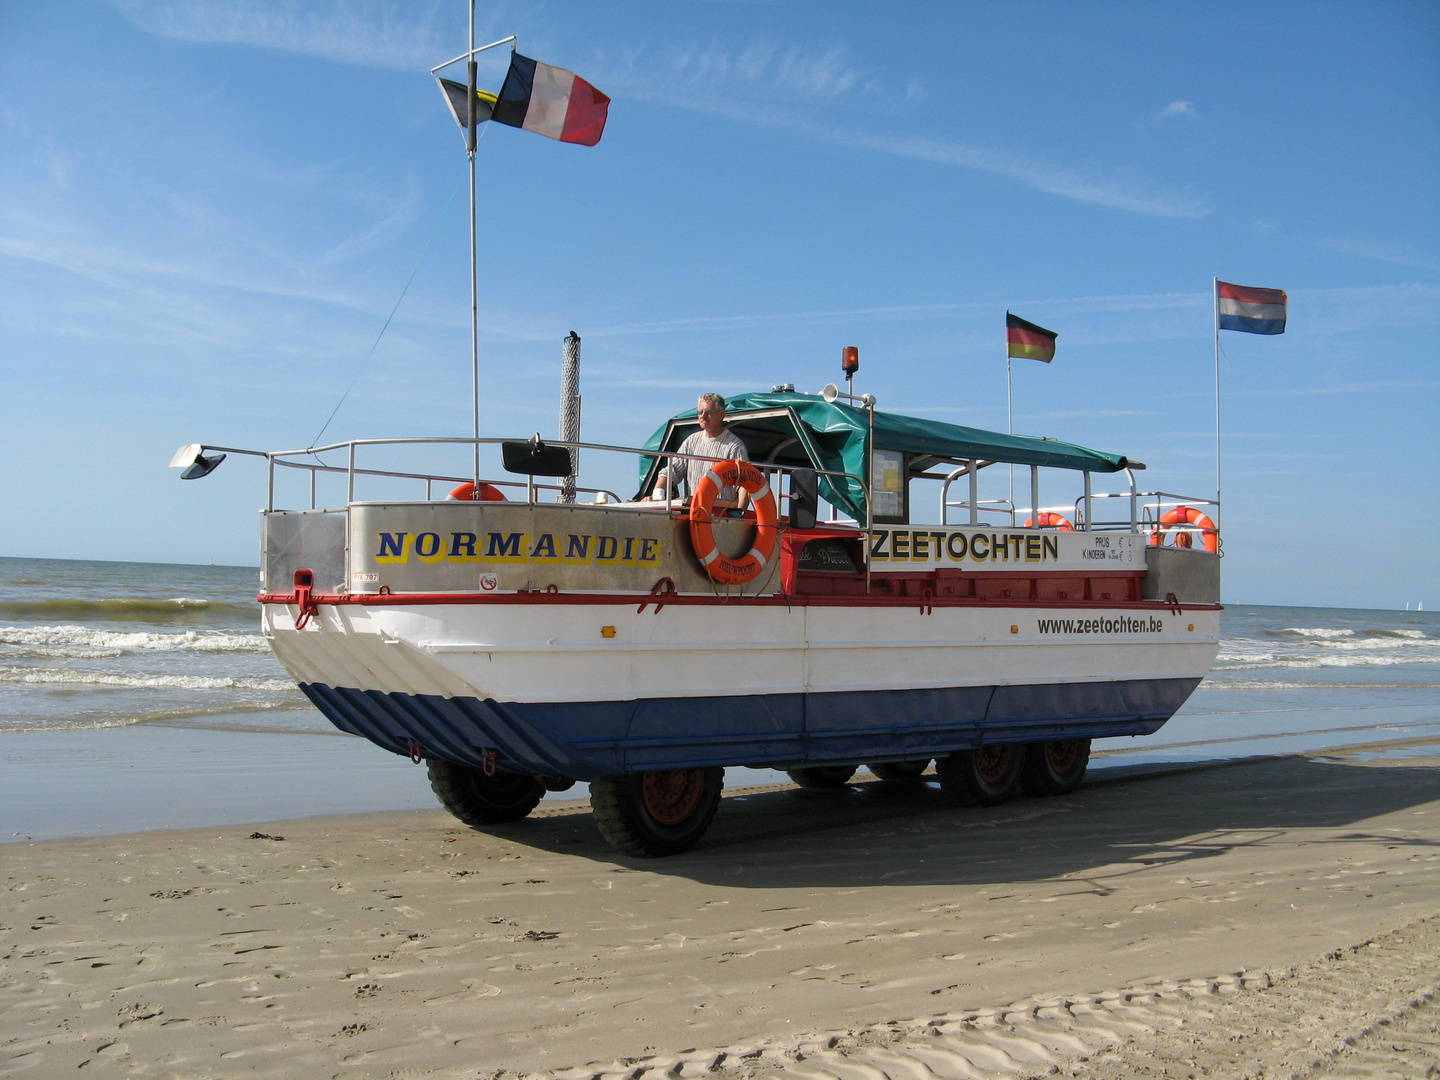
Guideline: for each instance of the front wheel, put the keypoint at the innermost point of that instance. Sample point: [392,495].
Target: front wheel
[477,799]
[984,777]
[1055,768]
[656,813]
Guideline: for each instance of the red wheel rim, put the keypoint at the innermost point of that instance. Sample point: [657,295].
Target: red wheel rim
[1062,755]
[992,763]
[671,796]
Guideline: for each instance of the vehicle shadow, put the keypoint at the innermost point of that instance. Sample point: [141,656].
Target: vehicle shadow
[887,834]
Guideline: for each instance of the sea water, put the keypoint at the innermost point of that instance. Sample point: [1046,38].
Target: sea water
[142,695]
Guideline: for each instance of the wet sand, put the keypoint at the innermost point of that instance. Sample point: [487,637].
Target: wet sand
[402,944]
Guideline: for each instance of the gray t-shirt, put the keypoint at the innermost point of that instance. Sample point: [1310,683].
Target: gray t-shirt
[725,447]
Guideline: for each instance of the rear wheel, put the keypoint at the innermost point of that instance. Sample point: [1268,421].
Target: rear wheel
[656,813]
[984,777]
[477,799]
[1055,768]
[899,770]
[821,776]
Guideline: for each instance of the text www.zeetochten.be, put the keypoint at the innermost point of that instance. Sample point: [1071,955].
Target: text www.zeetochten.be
[1123,624]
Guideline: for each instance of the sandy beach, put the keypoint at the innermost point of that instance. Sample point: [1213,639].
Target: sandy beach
[812,933]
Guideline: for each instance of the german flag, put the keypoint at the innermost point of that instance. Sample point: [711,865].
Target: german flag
[1028,341]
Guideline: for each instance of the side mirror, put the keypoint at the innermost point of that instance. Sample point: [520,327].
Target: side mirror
[804,498]
[534,458]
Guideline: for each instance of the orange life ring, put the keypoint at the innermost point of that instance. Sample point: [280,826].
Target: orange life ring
[1187,515]
[1051,521]
[725,474]
[466,493]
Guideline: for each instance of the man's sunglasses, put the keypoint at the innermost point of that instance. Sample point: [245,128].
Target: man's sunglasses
[712,412]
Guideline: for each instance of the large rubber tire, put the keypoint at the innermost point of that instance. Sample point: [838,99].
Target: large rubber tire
[477,799]
[899,770]
[822,776]
[656,813]
[1055,768]
[984,777]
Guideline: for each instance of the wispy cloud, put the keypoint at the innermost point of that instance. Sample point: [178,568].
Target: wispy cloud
[1098,185]
[1179,108]
[1383,251]
[907,312]
[793,72]
[1341,388]
[391,226]
[785,88]
[1123,318]
[406,36]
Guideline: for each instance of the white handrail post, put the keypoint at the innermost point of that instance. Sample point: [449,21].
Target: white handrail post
[1035,494]
[350,478]
[1088,509]
[974,492]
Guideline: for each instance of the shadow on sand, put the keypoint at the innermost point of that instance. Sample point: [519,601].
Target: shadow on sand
[893,834]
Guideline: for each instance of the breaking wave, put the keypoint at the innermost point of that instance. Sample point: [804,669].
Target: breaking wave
[81,642]
[129,609]
[1257,661]
[130,719]
[1222,683]
[61,677]
[1302,647]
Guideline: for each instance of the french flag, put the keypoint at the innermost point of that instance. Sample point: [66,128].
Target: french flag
[551,101]
[1251,311]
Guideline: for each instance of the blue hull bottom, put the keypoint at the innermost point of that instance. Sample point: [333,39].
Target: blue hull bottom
[587,740]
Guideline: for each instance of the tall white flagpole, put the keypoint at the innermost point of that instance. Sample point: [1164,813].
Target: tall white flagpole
[1215,290]
[470,144]
[471,123]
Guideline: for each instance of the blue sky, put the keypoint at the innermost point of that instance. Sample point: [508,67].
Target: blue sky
[208,210]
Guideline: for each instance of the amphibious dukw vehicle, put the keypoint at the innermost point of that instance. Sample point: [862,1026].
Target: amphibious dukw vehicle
[518,636]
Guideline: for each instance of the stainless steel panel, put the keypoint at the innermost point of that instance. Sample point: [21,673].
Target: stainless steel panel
[1193,576]
[303,539]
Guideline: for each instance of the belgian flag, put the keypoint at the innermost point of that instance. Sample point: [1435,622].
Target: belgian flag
[455,94]
[1028,341]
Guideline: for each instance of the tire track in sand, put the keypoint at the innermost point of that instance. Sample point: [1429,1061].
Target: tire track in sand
[1368,1011]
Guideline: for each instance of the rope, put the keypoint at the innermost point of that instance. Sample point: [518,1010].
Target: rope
[433,233]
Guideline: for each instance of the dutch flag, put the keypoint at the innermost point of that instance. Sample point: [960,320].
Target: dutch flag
[1251,311]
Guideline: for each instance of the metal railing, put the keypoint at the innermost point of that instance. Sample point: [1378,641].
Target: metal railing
[1146,510]
[286,459]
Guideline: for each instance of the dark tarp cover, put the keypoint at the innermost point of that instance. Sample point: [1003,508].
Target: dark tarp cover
[798,429]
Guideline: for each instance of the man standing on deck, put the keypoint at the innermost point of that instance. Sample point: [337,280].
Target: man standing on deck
[713,441]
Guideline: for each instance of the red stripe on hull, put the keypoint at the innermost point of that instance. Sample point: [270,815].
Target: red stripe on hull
[779,600]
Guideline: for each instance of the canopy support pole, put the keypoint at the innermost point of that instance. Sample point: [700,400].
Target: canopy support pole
[974,491]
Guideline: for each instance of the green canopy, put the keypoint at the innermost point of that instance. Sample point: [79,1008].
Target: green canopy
[806,431]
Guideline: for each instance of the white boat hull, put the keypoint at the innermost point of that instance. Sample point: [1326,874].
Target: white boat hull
[587,686]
